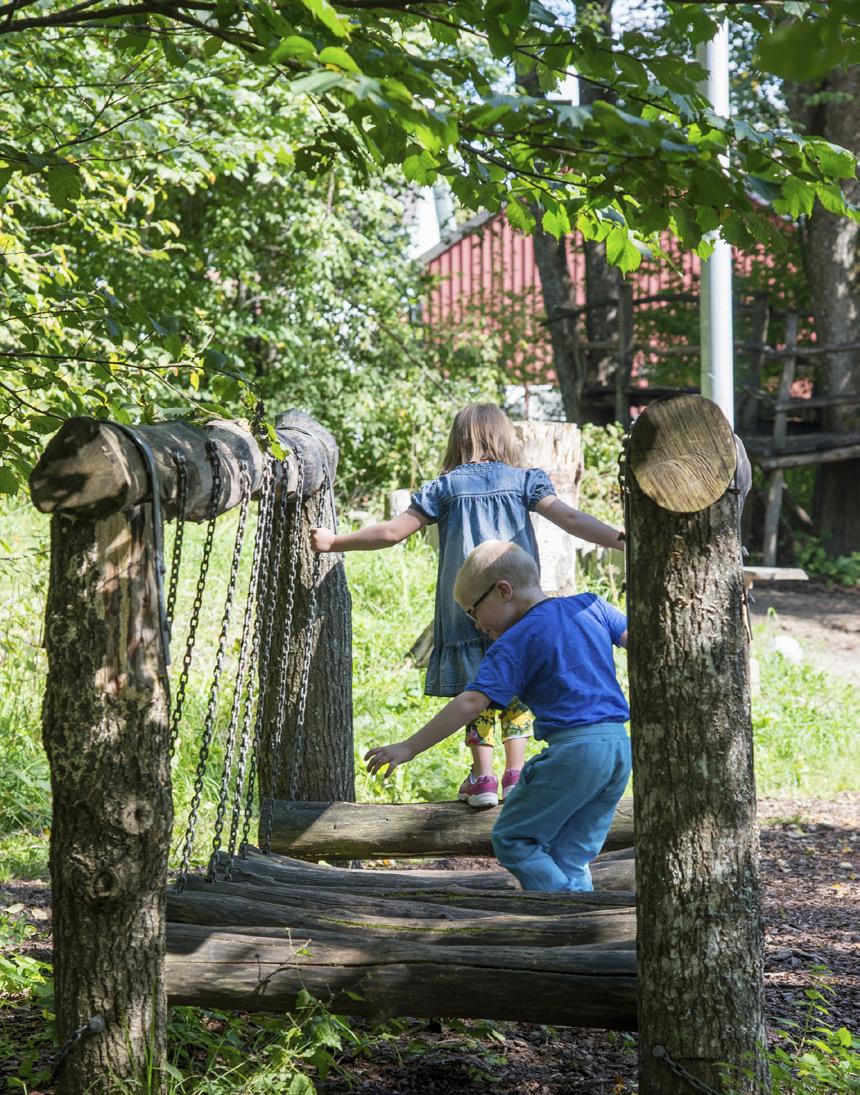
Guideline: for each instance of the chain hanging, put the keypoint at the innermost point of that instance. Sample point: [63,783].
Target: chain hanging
[176,557]
[287,628]
[211,710]
[242,690]
[662,1054]
[182,684]
[302,702]
[94,1025]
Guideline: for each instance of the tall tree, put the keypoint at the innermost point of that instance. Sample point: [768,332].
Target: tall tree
[828,109]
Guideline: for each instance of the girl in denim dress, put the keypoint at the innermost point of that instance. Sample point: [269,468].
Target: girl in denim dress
[481,494]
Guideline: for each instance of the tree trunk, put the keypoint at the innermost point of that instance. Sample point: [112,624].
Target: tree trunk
[343,830]
[316,760]
[379,978]
[105,732]
[833,274]
[699,929]
[559,300]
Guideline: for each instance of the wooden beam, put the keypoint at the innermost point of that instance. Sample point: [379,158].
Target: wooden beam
[219,910]
[576,986]
[92,468]
[348,830]
[804,459]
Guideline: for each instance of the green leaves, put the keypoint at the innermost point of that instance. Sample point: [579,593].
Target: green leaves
[326,14]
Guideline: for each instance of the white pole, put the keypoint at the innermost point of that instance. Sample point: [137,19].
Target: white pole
[715,302]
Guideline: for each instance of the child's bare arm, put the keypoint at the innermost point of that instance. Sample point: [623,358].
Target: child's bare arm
[461,710]
[579,524]
[382,535]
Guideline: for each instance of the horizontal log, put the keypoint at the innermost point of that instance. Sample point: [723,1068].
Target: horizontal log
[577,986]
[349,830]
[218,909]
[607,875]
[92,468]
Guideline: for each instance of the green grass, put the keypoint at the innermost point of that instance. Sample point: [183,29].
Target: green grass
[806,722]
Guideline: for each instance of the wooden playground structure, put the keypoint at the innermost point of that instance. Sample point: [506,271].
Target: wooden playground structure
[262,923]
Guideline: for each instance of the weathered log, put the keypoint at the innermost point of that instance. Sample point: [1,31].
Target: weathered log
[221,910]
[92,468]
[104,726]
[347,830]
[700,972]
[455,903]
[611,875]
[381,978]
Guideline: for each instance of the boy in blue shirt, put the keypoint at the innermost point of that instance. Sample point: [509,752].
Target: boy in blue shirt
[555,654]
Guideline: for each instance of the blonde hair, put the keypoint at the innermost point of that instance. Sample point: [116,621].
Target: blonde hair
[481,431]
[489,563]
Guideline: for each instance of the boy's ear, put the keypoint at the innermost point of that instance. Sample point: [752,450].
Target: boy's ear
[505,589]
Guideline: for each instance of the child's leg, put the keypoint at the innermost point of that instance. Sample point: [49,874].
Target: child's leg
[481,739]
[517,723]
[555,786]
[581,839]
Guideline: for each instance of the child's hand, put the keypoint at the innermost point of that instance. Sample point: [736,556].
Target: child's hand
[398,753]
[322,539]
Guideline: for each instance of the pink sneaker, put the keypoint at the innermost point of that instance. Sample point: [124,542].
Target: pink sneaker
[510,779]
[483,791]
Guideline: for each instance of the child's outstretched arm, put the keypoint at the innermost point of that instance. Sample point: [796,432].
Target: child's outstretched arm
[381,535]
[579,524]
[454,715]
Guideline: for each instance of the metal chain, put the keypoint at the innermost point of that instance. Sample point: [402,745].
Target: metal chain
[209,722]
[176,558]
[265,616]
[182,684]
[256,601]
[662,1054]
[94,1025]
[287,628]
[302,702]
[241,670]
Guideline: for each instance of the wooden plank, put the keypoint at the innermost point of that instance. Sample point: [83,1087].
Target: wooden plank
[816,401]
[378,978]
[612,875]
[219,909]
[349,830]
[771,517]
[780,424]
[804,459]
[774,574]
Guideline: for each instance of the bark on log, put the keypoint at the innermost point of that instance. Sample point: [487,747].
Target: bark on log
[612,875]
[91,468]
[380,979]
[454,904]
[333,830]
[700,969]
[104,724]
[218,909]
[323,752]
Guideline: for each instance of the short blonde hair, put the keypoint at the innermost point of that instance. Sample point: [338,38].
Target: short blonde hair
[481,431]
[489,563]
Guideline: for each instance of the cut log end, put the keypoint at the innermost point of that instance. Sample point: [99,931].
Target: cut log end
[682,453]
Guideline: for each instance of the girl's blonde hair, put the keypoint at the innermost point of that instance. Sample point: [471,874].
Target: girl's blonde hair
[481,431]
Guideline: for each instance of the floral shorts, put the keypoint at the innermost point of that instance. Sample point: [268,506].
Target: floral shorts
[515,721]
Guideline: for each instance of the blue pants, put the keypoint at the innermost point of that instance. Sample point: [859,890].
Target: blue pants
[555,820]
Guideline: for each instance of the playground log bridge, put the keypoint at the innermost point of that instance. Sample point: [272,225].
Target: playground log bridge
[261,927]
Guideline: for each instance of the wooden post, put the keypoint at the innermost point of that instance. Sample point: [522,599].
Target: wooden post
[699,930]
[780,432]
[326,764]
[749,409]
[624,366]
[104,724]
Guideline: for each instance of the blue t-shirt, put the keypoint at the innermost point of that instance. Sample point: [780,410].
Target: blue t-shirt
[558,660]
[472,503]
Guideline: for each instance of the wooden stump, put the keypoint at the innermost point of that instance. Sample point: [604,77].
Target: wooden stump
[699,931]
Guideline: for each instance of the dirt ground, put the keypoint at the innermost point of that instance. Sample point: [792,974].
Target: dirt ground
[810,870]
[825,621]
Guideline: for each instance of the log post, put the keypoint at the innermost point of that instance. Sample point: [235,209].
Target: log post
[326,764]
[699,929]
[104,724]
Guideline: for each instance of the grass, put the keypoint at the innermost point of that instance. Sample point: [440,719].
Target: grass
[806,723]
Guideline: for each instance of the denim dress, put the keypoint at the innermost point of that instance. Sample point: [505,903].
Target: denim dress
[471,504]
